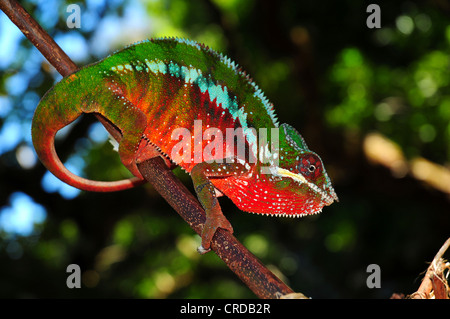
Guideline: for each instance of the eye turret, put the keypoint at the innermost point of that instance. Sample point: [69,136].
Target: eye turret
[310,166]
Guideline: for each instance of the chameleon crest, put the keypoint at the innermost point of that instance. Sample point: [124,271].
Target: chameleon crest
[183,101]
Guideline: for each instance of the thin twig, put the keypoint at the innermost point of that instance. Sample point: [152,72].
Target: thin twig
[246,266]
[426,286]
[40,39]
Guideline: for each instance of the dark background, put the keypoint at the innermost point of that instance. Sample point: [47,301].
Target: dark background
[374,103]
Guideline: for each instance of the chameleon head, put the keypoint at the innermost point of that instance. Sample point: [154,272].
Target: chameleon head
[301,172]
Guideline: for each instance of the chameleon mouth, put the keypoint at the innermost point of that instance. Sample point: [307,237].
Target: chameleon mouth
[327,196]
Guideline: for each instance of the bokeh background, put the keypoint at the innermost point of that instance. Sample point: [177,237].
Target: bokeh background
[374,103]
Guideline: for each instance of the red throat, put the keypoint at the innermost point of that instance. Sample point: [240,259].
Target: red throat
[259,195]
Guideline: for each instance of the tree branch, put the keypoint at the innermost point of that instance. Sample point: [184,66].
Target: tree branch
[244,264]
[434,280]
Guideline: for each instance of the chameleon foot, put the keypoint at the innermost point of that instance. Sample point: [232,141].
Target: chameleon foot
[213,222]
[202,250]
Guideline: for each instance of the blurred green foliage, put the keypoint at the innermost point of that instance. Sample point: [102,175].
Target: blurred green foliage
[327,74]
[416,97]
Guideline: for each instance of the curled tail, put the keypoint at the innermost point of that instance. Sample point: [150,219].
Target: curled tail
[58,108]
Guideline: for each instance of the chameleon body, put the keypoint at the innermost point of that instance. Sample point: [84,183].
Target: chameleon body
[156,91]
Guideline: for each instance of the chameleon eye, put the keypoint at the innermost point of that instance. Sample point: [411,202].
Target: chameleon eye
[310,166]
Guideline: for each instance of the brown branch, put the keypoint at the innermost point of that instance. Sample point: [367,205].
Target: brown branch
[246,266]
[47,46]
[40,39]
[434,281]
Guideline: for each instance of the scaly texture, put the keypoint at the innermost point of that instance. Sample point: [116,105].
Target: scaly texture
[195,107]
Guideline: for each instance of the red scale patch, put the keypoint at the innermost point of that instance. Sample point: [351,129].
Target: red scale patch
[179,106]
[260,196]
